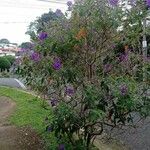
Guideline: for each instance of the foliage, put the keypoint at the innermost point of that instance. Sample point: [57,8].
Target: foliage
[41,23]
[4,63]
[88,72]
[26,45]
[4,41]
[4,74]
[11,59]
[132,24]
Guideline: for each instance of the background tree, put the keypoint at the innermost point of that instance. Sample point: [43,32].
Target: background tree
[41,23]
[26,45]
[4,64]
[10,58]
[4,41]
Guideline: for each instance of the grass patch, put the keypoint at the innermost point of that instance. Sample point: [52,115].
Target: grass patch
[29,112]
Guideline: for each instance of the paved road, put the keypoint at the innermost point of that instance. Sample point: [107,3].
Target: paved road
[11,82]
[138,138]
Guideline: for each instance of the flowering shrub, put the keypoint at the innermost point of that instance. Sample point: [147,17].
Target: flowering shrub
[88,82]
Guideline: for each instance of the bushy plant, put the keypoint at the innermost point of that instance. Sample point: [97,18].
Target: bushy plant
[11,59]
[86,77]
[4,64]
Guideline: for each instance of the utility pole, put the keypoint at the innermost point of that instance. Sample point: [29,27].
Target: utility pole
[144,49]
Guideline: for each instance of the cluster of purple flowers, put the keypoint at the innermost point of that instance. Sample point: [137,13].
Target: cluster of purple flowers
[69,91]
[24,50]
[57,64]
[58,12]
[123,89]
[18,61]
[107,68]
[54,102]
[114,2]
[42,36]
[49,129]
[133,2]
[123,57]
[61,147]
[146,59]
[35,56]
[148,3]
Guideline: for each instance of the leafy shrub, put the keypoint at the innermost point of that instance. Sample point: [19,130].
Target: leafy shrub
[4,63]
[4,74]
[88,81]
[10,58]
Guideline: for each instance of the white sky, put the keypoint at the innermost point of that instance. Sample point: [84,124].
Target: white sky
[16,15]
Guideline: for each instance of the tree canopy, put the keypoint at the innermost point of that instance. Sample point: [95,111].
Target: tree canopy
[4,41]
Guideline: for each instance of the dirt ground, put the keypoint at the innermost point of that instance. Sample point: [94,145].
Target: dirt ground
[11,137]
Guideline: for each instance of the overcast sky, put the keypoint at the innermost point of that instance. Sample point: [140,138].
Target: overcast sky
[16,15]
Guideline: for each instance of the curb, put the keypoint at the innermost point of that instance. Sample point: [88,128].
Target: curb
[21,84]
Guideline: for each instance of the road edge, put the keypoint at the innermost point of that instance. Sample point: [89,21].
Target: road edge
[21,84]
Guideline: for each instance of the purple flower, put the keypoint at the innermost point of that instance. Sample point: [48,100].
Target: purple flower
[54,102]
[113,2]
[49,129]
[148,3]
[113,46]
[107,68]
[61,147]
[123,90]
[23,50]
[43,36]
[18,61]
[57,64]
[31,45]
[59,12]
[93,50]
[146,59]
[35,56]
[133,2]
[69,91]
[123,57]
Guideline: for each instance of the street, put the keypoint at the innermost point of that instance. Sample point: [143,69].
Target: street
[11,82]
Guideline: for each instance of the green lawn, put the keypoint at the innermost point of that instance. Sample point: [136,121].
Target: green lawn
[29,112]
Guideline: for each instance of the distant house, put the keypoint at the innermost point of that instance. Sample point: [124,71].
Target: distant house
[9,49]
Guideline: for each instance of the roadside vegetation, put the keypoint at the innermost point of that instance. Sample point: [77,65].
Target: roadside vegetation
[30,113]
[89,63]
[6,63]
